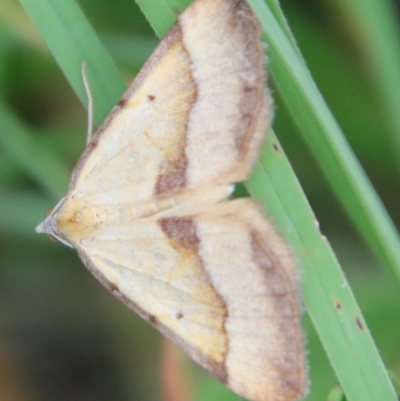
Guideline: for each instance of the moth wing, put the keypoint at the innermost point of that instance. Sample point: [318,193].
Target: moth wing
[221,284]
[196,113]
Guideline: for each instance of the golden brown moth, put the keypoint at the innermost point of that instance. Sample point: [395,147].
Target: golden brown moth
[148,214]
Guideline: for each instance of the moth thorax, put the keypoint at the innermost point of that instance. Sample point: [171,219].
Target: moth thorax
[93,216]
[80,222]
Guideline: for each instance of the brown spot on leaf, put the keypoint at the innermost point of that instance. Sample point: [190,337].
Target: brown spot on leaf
[151,98]
[275,146]
[359,324]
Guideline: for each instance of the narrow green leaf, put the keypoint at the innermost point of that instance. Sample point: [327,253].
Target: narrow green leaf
[376,29]
[328,296]
[21,147]
[159,14]
[72,40]
[327,142]
[20,212]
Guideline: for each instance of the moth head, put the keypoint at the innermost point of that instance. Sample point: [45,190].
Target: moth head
[49,226]
[68,222]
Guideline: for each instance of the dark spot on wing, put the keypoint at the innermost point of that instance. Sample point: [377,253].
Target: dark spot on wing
[122,102]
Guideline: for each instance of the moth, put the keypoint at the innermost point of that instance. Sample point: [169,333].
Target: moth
[147,207]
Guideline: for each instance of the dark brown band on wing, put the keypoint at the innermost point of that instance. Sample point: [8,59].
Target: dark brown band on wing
[291,365]
[173,170]
[182,232]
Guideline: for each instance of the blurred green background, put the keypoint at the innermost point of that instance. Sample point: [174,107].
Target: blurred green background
[62,336]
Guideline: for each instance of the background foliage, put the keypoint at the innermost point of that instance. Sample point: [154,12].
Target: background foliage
[61,335]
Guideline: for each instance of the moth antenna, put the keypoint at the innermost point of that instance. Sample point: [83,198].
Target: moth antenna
[90,102]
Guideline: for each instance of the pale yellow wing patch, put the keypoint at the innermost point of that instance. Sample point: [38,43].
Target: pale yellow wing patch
[157,271]
[144,137]
[221,284]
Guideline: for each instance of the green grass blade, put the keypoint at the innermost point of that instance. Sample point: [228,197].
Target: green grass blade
[159,14]
[72,40]
[327,143]
[20,146]
[377,30]
[328,296]
[20,212]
